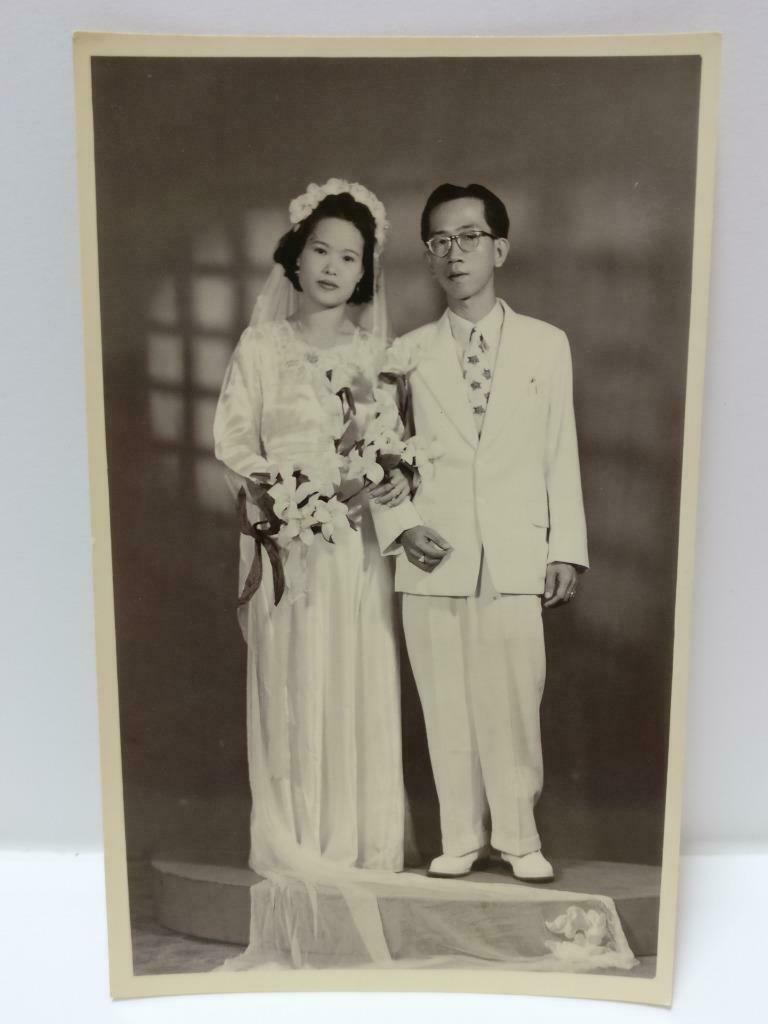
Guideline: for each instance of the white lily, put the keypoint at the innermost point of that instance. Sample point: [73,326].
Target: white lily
[363,465]
[287,494]
[298,523]
[388,442]
[385,412]
[402,357]
[332,516]
[422,454]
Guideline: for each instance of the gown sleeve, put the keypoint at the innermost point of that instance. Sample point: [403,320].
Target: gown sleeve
[237,423]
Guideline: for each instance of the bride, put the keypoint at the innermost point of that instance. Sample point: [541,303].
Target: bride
[317,612]
[323,678]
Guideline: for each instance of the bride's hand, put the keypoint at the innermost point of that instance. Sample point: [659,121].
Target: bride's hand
[392,491]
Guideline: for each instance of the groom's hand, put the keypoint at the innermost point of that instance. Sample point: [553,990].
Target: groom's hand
[392,491]
[424,547]
[560,584]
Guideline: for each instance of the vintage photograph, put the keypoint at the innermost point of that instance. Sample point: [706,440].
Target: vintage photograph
[394,355]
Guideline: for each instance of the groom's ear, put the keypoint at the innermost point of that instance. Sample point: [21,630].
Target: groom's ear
[500,251]
[430,262]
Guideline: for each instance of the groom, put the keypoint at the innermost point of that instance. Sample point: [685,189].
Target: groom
[495,532]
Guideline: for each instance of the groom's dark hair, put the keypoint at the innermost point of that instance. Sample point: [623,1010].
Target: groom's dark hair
[495,211]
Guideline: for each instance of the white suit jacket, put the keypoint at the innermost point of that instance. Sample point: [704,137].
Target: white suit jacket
[516,492]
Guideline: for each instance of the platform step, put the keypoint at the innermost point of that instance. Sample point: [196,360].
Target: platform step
[212,901]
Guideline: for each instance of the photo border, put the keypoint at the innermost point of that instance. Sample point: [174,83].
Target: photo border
[123,982]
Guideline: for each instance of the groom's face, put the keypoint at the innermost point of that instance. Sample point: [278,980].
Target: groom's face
[462,275]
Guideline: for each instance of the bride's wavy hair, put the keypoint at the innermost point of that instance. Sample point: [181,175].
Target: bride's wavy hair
[342,207]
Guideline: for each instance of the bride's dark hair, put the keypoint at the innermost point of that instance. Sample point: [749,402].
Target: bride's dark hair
[342,207]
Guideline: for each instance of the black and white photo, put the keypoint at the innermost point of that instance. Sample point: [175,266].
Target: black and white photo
[394,372]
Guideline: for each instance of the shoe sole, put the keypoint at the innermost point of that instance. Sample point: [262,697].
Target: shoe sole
[442,874]
[479,865]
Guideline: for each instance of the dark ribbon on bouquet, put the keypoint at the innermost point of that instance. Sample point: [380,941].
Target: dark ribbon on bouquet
[263,538]
[402,397]
[345,396]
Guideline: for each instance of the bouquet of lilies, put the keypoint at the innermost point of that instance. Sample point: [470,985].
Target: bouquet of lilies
[382,448]
[296,509]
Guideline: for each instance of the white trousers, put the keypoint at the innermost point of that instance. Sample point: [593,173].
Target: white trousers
[479,666]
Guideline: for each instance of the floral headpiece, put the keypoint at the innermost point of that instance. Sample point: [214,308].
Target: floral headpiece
[302,206]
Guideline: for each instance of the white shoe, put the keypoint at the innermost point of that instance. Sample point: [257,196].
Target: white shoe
[446,866]
[531,867]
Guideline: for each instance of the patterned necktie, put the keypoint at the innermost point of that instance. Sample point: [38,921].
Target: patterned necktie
[477,374]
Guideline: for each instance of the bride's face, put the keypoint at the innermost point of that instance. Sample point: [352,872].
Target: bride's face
[331,262]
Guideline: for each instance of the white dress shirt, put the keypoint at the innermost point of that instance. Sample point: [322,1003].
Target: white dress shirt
[490,327]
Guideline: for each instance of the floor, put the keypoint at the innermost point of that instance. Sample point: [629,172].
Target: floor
[156,950]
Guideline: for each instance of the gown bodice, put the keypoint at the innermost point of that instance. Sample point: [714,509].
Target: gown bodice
[279,402]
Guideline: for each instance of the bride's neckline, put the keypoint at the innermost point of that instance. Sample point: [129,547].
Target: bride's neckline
[300,335]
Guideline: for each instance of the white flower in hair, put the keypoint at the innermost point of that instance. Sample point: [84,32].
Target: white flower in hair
[300,209]
[302,206]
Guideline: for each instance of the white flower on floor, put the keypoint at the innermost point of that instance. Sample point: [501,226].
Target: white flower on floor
[585,931]
[585,927]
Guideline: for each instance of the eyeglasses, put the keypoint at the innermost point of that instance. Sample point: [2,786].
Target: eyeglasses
[468,241]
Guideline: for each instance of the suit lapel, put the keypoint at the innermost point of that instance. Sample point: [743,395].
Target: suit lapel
[441,373]
[510,376]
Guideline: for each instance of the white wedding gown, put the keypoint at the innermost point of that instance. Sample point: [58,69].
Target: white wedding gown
[324,738]
[323,690]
